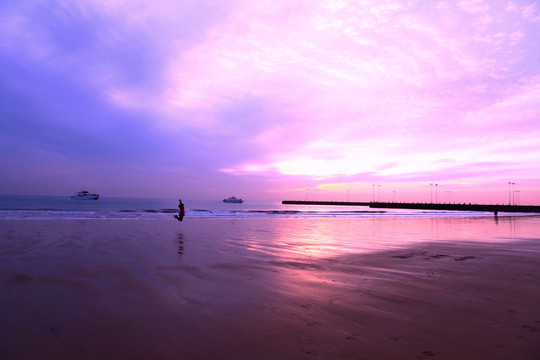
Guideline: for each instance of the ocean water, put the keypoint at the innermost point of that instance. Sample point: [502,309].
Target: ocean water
[63,207]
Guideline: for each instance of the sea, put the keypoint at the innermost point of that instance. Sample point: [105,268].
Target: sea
[64,207]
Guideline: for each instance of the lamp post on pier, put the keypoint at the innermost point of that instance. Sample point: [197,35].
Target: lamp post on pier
[436,194]
[431,193]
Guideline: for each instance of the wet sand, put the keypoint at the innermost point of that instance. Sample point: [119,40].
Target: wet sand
[270,289]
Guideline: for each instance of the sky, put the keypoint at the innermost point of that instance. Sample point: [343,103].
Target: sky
[271,100]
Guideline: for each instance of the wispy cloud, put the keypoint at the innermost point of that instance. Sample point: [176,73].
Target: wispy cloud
[287,90]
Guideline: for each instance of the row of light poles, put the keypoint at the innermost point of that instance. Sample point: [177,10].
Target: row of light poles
[447,197]
[513,194]
[510,186]
[431,193]
[394,193]
[373,193]
[447,194]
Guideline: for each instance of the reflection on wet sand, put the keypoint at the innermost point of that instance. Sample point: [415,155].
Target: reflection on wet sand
[180,240]
[326,238]
[271,289]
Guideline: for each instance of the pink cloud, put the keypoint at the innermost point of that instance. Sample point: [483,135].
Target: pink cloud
[319,90]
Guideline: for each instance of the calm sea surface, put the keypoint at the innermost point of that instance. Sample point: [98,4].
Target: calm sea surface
[63,207]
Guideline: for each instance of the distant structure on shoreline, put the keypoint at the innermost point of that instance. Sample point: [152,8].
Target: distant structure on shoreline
[426,206]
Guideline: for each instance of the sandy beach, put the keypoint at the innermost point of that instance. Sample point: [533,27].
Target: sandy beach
[461,288]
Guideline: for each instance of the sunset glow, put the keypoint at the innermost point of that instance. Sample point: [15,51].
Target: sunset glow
[265,99]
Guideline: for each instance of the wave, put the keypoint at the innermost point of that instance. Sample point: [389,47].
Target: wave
[16,207]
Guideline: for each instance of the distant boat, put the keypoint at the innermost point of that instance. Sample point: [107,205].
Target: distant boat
[85,195]
[233,200]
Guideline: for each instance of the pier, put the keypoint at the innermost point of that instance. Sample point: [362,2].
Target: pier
[425,206]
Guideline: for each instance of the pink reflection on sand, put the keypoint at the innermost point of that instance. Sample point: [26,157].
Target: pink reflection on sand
[345,252]
[323,238]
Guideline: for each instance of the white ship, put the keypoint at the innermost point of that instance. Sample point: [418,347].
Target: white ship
[85,195]
[233,200]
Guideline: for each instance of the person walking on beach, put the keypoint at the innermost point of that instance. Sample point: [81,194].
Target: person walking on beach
[181,211]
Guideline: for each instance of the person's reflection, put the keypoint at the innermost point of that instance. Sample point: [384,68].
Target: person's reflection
[180,241]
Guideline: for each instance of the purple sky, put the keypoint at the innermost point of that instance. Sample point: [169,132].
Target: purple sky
[265,99]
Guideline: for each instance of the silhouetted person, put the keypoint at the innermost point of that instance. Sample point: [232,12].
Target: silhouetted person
[181,211]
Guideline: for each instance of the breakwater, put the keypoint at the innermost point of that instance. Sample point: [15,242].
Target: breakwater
[344,203]
[426,206]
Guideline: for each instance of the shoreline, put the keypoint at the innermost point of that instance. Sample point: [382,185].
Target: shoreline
[268,289]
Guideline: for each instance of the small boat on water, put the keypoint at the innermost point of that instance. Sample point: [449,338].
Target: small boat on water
[233,200]
[85,195]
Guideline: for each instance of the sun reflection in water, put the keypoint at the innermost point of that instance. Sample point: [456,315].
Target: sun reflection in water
[327,238]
